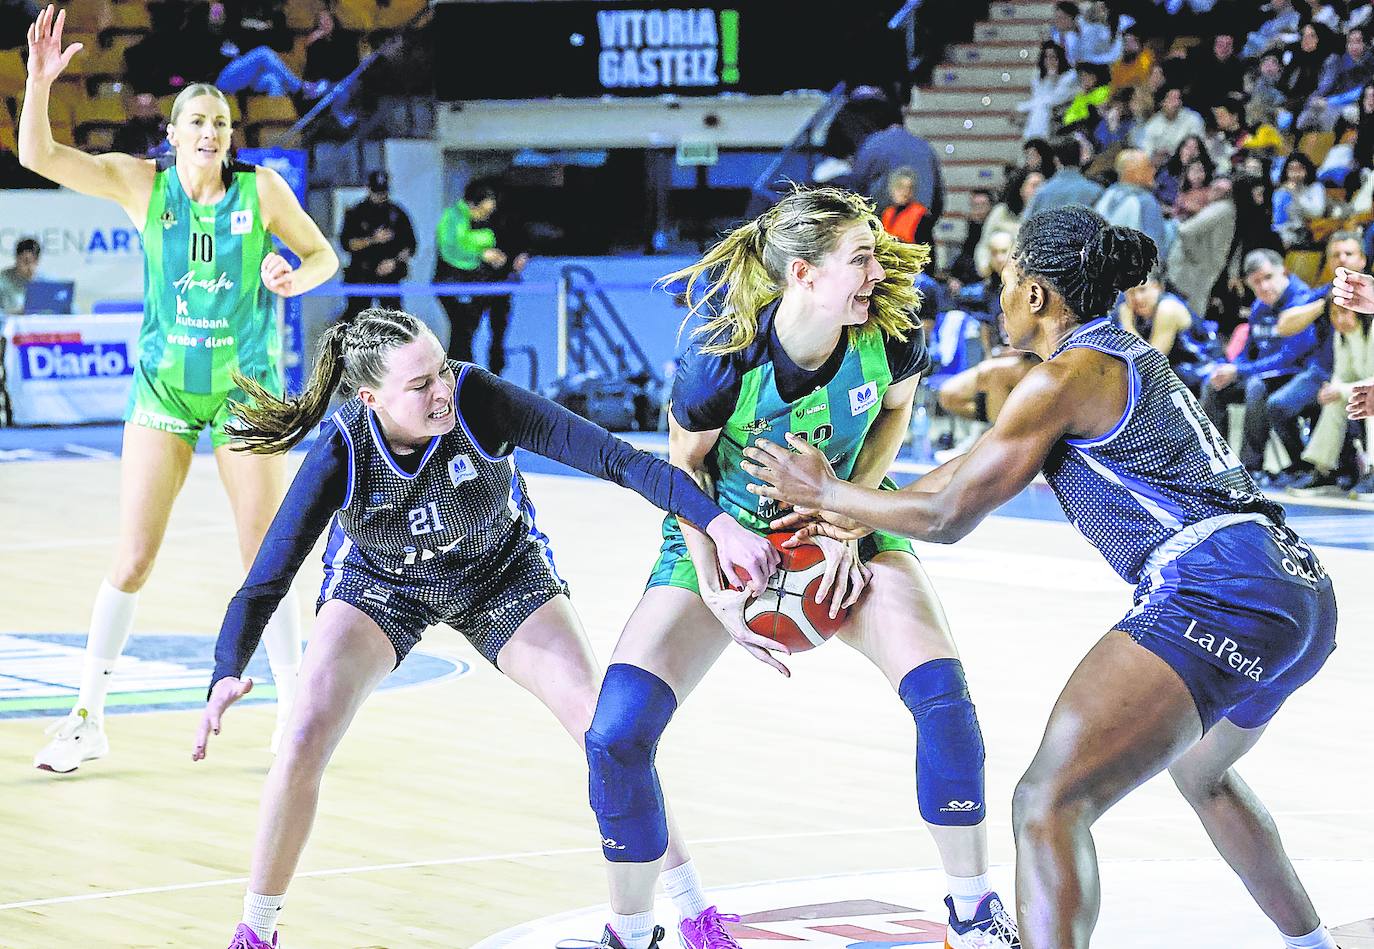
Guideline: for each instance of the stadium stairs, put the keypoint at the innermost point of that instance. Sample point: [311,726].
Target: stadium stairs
[968,112]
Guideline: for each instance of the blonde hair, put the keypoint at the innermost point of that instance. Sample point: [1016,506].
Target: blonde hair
[748,268]
[352,355]
[193,91]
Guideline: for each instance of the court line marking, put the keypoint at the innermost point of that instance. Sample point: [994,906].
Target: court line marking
[572,851]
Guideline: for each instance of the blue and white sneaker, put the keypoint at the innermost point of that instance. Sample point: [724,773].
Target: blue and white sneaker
[991,927]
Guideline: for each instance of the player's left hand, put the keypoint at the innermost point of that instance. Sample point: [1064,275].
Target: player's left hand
[1361,404]
[798,475]
[226,692]
[845,574]
[742,553]
[836,525]
[278,275]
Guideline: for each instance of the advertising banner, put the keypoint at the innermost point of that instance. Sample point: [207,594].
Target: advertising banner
[90,241]
[62,370]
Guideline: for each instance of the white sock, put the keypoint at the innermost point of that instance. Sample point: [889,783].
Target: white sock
[967,893]
[634,931]
[281,637]
[260,913]
[1318,938]
[112,618]
[684,886]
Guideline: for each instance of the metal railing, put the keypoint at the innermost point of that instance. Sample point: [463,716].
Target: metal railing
[592,336]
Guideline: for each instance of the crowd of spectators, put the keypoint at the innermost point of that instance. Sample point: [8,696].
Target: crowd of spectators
[1240,137]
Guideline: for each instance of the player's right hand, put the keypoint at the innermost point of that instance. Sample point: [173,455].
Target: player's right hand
[47,59]
[742,553]
[226,692]
[727,604]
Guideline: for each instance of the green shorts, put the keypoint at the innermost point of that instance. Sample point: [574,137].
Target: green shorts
[157,405]
[674,567]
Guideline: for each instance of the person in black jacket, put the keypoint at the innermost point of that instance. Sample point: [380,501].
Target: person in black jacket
[378,235]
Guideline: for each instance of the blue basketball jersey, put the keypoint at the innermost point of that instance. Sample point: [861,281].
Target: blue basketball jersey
[453,520]
[1162,469]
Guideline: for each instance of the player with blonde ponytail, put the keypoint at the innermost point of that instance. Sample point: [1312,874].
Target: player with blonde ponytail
[211,280]
[809,328]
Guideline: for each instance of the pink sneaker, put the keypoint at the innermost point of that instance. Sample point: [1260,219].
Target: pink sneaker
[245,938]
[707,930]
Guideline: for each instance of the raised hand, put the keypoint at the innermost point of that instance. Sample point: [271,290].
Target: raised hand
[47,59]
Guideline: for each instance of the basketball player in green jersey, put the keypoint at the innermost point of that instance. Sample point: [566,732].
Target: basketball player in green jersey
[210,281]
[811,329]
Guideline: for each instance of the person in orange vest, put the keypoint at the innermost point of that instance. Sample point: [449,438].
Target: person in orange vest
[905,218]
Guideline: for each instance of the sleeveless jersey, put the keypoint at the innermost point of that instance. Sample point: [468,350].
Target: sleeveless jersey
[206,312]
[1162,469]
[835,417]
[457,518]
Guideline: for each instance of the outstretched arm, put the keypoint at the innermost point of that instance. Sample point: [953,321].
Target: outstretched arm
[502,415]
[121,178]
[318,490]
[1006,459]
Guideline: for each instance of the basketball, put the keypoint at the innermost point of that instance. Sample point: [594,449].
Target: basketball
[787,611]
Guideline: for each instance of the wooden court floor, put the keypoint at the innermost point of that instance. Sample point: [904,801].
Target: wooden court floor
[457,809]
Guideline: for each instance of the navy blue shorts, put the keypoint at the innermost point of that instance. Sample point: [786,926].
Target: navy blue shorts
[1245,618]
[487,612]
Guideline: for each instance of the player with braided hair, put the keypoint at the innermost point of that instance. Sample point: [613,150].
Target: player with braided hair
[1233,611]
[431,523]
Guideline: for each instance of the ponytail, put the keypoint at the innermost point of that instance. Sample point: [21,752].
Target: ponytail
[736,287]
[351,355]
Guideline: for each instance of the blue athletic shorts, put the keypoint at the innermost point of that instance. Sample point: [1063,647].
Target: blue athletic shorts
[487,612]
[1245,618]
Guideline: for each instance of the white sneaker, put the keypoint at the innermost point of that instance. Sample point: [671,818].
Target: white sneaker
[76,738]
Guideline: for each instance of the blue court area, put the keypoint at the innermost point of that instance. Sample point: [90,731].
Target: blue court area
[1334,522]
[40,673]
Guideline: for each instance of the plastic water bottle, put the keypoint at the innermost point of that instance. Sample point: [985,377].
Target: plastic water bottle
[920,434]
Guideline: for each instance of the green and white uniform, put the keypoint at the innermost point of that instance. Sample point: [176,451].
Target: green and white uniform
[759,392]
[206,312]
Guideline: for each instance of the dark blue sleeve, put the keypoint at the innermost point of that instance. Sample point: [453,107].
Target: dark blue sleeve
[705,390]
[908,358]
[318,490]
[502,416]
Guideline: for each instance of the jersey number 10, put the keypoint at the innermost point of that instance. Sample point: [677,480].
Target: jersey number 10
[202,248]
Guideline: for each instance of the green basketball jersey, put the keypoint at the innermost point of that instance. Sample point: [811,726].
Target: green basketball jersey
[206,313]
[759,393]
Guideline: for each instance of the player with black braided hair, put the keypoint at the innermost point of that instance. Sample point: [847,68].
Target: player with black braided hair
[1233,612]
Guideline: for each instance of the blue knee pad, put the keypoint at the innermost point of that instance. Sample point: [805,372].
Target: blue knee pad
[949,744]
[631,713]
